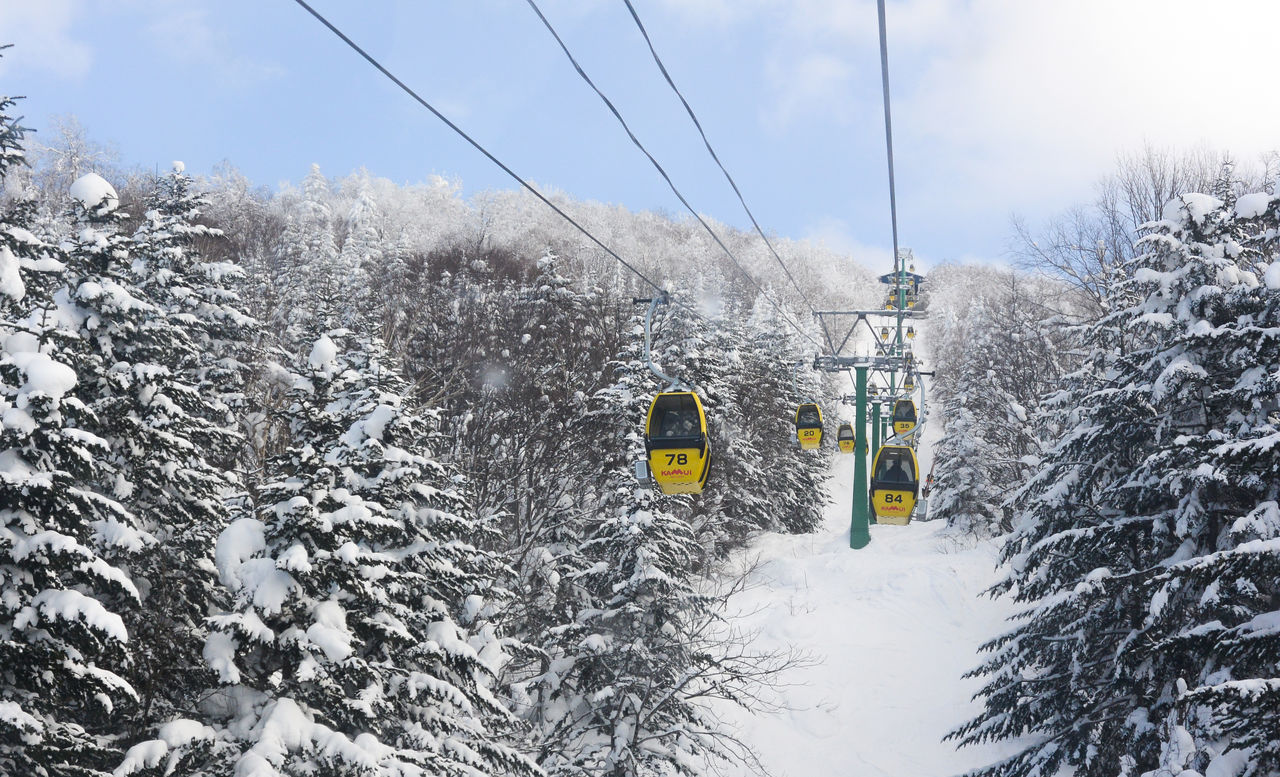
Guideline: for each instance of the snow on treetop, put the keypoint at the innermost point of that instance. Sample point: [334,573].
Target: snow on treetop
[322,353]
[93,191]
[1272,276]
[179,167]
[1250,206]
[10,281]
[1195,205]
[44,375]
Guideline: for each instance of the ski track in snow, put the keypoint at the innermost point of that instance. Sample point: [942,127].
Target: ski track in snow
[892,628]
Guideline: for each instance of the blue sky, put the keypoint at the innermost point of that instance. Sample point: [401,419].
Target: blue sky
[1001,107]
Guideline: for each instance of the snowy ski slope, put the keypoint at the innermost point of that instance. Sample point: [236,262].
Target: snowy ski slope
[892,626]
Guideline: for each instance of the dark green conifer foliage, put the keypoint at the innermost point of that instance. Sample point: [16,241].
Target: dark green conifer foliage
[63,643]
[1144,544]
[199,297]
[360,603]
[133,355]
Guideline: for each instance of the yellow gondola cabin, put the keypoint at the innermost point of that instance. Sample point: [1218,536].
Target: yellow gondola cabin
[845,438]
[676,441]
[904,416]
[895,484]
[809,426]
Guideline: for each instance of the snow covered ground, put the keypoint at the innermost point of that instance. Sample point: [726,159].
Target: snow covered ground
[892,628]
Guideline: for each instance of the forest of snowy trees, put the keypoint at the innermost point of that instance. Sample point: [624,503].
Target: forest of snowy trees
[339,480]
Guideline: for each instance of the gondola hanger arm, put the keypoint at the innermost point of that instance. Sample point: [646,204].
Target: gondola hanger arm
[672,383]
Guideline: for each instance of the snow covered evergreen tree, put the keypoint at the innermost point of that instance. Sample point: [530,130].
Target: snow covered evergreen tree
[1144,541]
[63,642]
[131,354]
[963,493]
[776,378]
[322,290]
[198,298]
[357,641]
[363,255]
[998,345]
[1208,641]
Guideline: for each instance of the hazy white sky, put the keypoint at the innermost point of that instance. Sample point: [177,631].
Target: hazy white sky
[1000,106]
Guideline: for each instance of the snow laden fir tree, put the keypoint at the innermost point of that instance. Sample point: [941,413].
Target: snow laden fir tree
[345,650]
[64,594]
[1147,545]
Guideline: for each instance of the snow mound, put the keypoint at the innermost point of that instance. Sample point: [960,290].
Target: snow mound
[10,281]
[1272,276]
[1251,206]
[238,543]
[220,654]
[1197,206]
[93,191]
[179,167]
[44,375]
[323,353]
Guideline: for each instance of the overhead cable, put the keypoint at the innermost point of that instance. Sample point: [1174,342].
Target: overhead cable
[481,148]
[888,129]
[613,109]
[689,109]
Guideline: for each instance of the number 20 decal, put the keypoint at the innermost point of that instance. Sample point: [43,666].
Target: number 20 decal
[680,459]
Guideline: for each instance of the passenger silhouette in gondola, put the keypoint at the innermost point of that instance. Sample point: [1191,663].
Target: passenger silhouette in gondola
[895,473]
[681,423]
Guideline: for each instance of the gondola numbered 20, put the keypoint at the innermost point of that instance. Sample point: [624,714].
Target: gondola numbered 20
[809,426]
[895,484]
[676,445]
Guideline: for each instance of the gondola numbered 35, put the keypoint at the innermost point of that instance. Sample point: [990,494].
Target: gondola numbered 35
[809,426]
[677,447]
[895,484]
[904,416]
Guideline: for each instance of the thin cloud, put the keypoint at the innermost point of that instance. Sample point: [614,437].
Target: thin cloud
[42,34]
[186,36]
[837,235]
[805,87]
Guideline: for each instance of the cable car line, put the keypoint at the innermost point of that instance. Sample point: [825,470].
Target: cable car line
[636,141]
[888,128]
[355,47]
[689,109]
[707,142]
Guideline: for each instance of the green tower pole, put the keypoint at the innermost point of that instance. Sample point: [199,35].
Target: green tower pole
[877,427]
[859,525]
[877,439]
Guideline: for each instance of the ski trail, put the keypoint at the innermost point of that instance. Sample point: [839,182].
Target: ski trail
[891,627]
